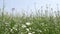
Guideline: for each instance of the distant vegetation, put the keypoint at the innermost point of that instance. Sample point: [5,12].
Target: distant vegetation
[47,22]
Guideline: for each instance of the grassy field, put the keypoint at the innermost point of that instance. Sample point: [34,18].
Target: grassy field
[40,23]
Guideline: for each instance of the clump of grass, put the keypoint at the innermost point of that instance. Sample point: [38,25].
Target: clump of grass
[41,23]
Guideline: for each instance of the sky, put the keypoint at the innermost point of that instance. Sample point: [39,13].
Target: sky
[28,4]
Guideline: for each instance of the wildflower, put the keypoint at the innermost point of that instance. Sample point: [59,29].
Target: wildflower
[44,29]
[40,30]
[27,29]
[11,30]
[14,28]
[33,32]
[28,23]
[29,33]
[42,24]
[24,26]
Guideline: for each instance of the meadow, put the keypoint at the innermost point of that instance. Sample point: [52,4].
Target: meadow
[38,23]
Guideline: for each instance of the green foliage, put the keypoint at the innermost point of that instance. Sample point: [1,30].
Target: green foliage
[33,24]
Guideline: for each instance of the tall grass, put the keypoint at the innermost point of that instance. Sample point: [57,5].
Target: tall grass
[43,22]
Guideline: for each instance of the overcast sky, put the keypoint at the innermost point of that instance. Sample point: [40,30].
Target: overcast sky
[28,4]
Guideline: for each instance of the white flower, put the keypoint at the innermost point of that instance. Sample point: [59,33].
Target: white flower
[11,30]
[33,32]
[24,26]
[28,23]
[27,29]
[40,30]
[14,28]
[42,24]
[29,33]
[44,29]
